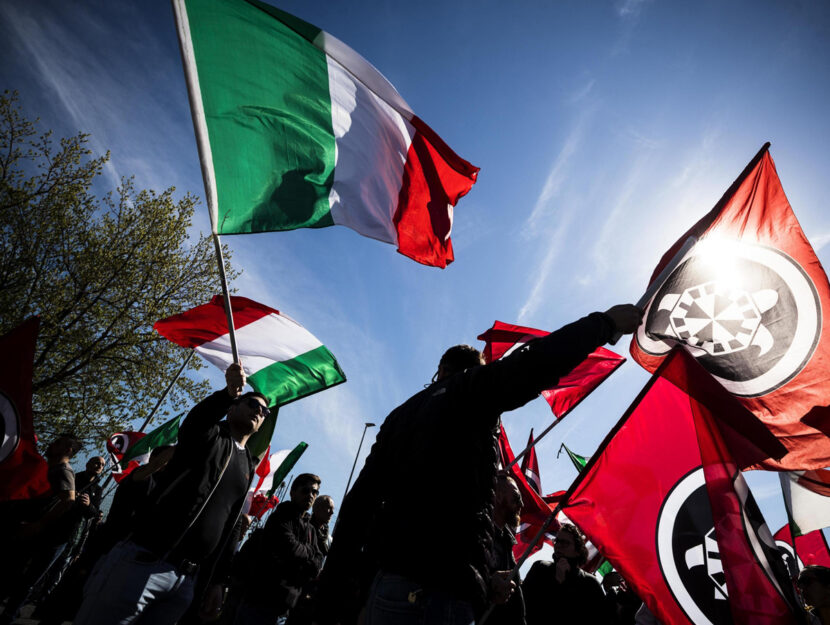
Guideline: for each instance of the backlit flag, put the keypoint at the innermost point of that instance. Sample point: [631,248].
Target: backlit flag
[138,451]
[22,468]
[807,498]
[746,301]
[117,445]
[811,548]
[504,338]
[530,466]
[297,130]
[664,501]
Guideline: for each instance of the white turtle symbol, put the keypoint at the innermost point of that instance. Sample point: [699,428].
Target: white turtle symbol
[709,554]
[715,318]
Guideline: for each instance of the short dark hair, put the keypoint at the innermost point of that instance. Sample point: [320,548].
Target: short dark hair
[814,573]
[245,396]
[304,478]
[579,542]
[75,443]
[460,357]
[159,449]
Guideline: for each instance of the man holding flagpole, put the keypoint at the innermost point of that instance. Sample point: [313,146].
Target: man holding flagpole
[187,523]
[414,476]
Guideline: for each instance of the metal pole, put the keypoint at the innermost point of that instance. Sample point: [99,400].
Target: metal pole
[227,297]
[349,483]
[166,391]
[536,440]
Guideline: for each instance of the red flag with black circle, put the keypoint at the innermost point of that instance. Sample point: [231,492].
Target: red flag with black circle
[747,302]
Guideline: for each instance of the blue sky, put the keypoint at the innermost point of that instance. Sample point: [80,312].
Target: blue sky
[603,131]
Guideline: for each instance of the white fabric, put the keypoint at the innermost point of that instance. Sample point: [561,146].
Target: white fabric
[371,145]
[273,338]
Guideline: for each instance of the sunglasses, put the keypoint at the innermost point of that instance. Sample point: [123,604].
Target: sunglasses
[253,403]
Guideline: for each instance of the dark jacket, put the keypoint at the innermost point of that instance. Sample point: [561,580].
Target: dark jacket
[203,452]
[512,612]
[435,460]
[281,559]
[576,601]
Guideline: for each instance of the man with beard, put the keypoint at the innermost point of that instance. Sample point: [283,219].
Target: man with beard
[282,558]
[559,591]
[387,526]
[509,605]
[187,521]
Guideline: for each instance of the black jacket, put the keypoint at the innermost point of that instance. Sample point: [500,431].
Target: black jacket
[576,601]
[280,560]
[422,505]
[182,489]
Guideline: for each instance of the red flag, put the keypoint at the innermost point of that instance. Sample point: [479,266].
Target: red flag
[22,468]
[572,388]
[263,468]
[746,301]
[665,503]
[530,466]
[534,509]
[120,442]
[811,548]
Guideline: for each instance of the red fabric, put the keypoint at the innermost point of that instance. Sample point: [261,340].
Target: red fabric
[260,504]
[625,504]
[118,476]
[535,510]
[572,388]
[22,468]
[120,442]
[434,179]
[208,322]
[779,370]
[263,468]
[530,466]
[812,548]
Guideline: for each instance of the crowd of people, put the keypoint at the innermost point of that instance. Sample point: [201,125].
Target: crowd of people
[426,534]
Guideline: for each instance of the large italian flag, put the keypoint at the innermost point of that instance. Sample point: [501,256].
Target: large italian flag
[282,359]
[297,130]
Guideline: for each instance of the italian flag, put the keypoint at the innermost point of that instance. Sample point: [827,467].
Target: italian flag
[297,130]
[282,359]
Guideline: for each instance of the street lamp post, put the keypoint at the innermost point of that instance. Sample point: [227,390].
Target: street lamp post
[349,483]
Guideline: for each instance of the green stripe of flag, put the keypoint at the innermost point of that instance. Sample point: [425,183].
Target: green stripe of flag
[265,93]
[166,434]
[286,466]
[289,380]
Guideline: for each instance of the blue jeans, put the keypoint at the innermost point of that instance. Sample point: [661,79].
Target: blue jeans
[396,600]
[124,590]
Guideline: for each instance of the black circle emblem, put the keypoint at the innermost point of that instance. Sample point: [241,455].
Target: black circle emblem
[9,427]
[749,314]
[688,552]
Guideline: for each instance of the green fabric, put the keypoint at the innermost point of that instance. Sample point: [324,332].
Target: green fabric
[265,94]
[166,434]
[289,380]
[579,461]
[605,568]
[286,466]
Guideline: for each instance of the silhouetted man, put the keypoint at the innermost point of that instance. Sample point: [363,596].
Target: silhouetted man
[435,456]
[506,596]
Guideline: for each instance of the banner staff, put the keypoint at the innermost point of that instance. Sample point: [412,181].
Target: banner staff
[205,155]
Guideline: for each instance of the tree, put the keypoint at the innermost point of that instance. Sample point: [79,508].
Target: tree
[99,271]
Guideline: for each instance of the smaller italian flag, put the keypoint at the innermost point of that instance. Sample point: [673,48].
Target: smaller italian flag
[138,452]
[282,359]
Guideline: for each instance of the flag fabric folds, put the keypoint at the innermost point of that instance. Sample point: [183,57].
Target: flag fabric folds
[572,388]
[807,498]
[285,466]
[282,359]
[809,549]
[666,504]
[22,468]
[535,510]
[746,301]
[138,452]
[297,130]
[530,466]
[578,461]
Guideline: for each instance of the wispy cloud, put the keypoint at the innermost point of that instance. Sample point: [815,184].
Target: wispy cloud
[629,9]
[820,241]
